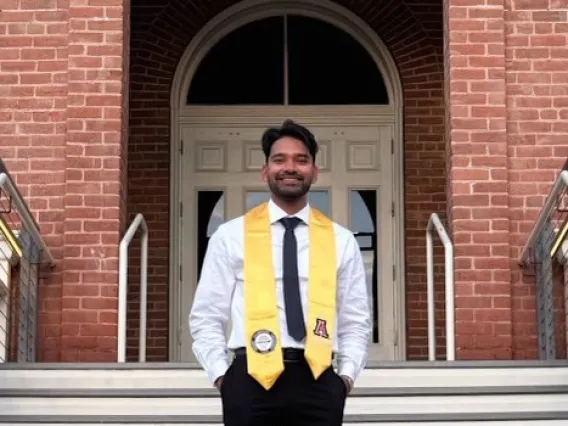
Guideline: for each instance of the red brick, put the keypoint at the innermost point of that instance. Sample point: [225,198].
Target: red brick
[61,75]
[23,56]
[486,77]
[41,61]
[149,143]
[537,93]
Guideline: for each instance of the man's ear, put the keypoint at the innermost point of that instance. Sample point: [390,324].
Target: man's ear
[315,175]
[264,173]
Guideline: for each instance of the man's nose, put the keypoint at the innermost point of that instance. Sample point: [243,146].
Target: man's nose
[290,167]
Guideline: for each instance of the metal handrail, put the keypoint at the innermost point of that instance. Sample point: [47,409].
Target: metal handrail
[27,219]
[435,223]
[138,222]
[559,186]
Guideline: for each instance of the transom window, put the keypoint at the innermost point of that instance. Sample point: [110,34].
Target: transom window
[288,60]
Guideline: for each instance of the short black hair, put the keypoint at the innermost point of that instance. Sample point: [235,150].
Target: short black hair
[291,129]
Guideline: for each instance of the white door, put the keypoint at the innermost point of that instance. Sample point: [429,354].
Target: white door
[221,180]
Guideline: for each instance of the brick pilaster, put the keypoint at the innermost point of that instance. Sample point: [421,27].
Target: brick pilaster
[478,176]
[94,169]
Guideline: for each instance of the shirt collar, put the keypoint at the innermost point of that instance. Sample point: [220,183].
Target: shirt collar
[276,213]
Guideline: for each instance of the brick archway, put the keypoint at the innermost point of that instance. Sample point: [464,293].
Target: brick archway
[221,26]
[160,35]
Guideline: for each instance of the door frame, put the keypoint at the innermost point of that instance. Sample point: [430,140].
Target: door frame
[227,21]
[309,116]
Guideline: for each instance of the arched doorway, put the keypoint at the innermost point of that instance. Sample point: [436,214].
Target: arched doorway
[253,67]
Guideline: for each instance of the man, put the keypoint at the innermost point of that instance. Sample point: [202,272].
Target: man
[292,283]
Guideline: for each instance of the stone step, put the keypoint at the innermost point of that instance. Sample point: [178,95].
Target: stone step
[488,393]
[361,420]
[388,405]
[403,376]
[377,391]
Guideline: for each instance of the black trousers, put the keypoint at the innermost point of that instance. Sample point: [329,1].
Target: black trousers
[296,399]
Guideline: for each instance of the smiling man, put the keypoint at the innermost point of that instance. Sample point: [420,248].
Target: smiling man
[292,282]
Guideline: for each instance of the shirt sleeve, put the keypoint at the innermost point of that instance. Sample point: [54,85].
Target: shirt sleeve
[212,306]
[354,315]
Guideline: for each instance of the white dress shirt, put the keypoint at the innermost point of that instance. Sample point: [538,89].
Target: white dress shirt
[219,295]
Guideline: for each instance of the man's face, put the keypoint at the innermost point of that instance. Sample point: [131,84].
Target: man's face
[290,170]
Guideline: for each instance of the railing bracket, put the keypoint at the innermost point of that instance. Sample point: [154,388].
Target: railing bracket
[436,223]
[138,222]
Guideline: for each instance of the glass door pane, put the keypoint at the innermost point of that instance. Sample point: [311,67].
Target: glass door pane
[246,67]
[327,66]
[363,224]
[210,214]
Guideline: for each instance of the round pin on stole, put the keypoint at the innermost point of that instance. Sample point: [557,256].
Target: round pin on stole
[263,341]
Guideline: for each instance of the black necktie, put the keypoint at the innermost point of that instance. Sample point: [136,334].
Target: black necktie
[292,299]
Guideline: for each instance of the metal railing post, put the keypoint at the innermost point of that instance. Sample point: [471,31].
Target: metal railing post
[559,185]
[543,245]
[29,246]
[138,222]
[435,223]
[27,219]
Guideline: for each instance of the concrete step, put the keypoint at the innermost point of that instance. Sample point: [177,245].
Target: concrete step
[386,405]
[411,423]
[97,422]
[488,393]
[405,375]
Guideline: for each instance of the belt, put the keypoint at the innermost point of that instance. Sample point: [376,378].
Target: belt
[288,354]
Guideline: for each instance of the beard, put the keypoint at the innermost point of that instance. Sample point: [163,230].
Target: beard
[289,191]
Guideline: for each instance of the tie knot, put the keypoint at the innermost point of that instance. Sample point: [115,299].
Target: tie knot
[290,222]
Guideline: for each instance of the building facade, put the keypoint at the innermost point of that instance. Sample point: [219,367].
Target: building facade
[156,107]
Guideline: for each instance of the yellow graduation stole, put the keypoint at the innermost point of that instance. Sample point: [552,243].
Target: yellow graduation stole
[262,323]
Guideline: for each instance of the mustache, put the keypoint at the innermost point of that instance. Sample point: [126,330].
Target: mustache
[290,176]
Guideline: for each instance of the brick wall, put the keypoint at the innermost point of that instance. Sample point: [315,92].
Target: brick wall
[61,116]
[64,113]
[507,140]
[33,76]
[537,136]
[478,179]
[161,32]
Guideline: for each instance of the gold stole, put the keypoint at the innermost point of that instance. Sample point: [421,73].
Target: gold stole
[262,322]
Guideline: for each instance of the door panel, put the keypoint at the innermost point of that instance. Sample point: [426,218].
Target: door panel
[221,180]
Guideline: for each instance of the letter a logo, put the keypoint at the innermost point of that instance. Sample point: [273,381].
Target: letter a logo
[321,328]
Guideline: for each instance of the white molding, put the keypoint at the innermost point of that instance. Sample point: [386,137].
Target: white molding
[6,263]
[5,266]
[562,258]
[227,21]
[272,114]
[8,259]
[562,253]
[566,298]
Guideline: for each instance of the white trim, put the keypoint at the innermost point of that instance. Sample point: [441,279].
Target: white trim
[7,260]
[221,25]
[436,224]
[270,114]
